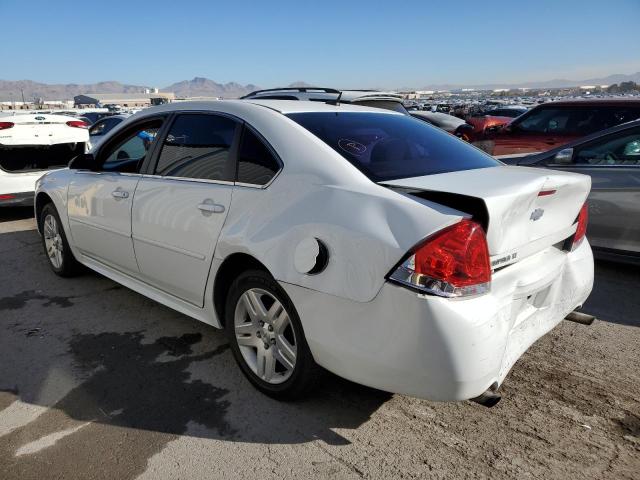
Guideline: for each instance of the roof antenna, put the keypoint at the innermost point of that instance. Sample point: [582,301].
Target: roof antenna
[338,99]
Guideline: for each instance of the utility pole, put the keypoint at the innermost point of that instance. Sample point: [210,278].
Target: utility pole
[22,92]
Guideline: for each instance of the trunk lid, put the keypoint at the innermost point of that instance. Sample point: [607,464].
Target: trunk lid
[529,209]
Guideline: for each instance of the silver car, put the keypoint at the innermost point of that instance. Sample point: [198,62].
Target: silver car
[612,159]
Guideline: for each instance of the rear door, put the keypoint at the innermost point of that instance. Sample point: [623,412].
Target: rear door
[613,162]
[99,202]
[180,207]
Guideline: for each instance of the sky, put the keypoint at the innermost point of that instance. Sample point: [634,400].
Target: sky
[344,44]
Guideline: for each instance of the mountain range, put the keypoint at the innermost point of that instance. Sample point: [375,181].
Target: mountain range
[198,87]
[204,87]
[556,83]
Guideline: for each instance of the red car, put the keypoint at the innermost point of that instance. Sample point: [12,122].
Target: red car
[488,121]
[553,124]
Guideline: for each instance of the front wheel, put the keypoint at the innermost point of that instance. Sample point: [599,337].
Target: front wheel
[266,337]
[56,247]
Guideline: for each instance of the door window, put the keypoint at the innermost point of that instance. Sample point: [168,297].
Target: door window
[256,164]
[128,152]
[623,149]
[198,146]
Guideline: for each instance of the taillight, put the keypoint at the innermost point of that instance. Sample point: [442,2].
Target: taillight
[5,125]
[77,124]
[453,262]
[581,229]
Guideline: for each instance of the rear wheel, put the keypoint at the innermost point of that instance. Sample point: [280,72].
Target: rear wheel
[266,337]
[56,247]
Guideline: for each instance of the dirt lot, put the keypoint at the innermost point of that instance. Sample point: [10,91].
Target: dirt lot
[99,382]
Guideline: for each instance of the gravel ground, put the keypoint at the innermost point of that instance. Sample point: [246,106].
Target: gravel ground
[99,382]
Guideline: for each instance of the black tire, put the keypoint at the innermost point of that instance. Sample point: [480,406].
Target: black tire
[305,372]
[69,266]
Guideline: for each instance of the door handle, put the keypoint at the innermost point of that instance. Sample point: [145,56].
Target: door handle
[120,194]
[211,207]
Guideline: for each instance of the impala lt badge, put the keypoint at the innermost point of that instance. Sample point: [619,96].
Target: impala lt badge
[536,214]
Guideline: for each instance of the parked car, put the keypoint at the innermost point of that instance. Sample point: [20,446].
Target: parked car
[556,123]
[612,159]
[357,239]
[99,130]
[365,98]
[446,122]
[95,116]
[30,145]
[488,121]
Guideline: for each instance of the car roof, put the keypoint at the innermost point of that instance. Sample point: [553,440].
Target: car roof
[281,106]
[320,93]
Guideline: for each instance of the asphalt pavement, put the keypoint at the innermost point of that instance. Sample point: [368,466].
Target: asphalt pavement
[98,382]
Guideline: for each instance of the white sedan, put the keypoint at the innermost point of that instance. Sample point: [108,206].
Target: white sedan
[30,145]
[356,239]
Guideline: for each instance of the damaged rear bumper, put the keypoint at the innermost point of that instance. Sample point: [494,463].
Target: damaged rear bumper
[445,349]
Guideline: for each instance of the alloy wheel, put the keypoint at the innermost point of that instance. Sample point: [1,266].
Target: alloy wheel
[53,241]
[265,336]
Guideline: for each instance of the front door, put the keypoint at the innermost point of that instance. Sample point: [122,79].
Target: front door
[99,201]
[180,209]
[613,162]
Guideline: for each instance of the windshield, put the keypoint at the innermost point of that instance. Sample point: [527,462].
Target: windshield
[387,146]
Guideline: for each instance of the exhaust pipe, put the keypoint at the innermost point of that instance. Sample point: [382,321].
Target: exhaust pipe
[489,398]
[581,318]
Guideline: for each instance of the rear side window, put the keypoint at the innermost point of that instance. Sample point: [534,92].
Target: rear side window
[389,146]
[198,146]
[256,164]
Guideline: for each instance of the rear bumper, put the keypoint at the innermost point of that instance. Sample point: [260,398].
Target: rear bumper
[445,349]
[22,199]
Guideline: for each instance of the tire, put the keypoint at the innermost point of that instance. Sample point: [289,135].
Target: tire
[60,257]
[264,352]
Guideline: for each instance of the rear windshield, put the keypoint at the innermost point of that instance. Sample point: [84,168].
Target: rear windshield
[386,146]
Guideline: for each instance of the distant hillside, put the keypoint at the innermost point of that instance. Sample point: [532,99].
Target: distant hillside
[556,83]
[11,90]
[203,87]
[198,87]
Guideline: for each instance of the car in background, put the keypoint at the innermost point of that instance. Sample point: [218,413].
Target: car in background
[489,120]
[325,234]
[94,116]
[364,98]
[454,125]
[99,130]
[32,144]
[554,124]
[612,159]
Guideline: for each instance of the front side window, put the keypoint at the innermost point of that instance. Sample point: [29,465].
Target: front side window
[387,146]
[256,164]
[198,146]
[624,149]
[574,120]
[129,153]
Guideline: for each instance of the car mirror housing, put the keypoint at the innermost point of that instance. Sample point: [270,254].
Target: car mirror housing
[563,157]
[86,161]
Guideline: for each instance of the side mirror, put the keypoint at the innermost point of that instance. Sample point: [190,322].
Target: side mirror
[86,161]
[564,157]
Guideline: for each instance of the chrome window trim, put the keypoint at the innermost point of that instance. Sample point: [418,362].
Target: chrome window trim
[189,179]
